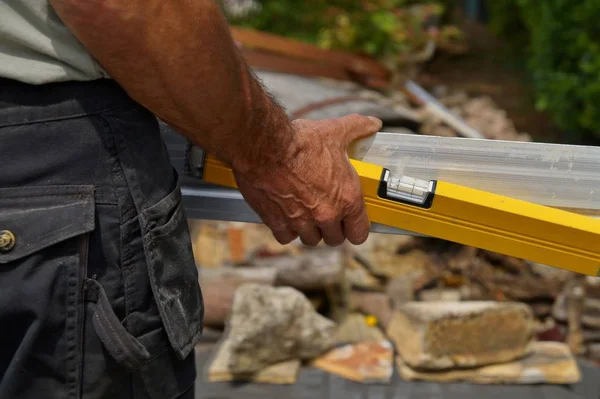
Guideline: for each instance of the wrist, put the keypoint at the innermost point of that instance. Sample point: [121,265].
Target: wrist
[267,143]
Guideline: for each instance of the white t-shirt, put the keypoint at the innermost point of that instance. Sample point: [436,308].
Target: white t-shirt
[36,47]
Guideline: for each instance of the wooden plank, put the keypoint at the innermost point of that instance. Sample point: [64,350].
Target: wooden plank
[280,63]
[219,286]
[283,45]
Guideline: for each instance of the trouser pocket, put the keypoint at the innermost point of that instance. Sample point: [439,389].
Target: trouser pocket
[172,271]
[159,344]
[43,257]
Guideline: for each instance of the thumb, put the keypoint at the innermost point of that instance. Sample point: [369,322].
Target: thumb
[359,126]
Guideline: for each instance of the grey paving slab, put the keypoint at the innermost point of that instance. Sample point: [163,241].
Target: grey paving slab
[316,384]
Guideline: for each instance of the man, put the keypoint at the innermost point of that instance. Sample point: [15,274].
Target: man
[98,286]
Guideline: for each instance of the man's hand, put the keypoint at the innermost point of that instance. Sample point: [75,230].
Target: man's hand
[178,59]
[312,191]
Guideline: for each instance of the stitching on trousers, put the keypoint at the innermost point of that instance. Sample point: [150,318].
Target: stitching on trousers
[110,142]
[65,117]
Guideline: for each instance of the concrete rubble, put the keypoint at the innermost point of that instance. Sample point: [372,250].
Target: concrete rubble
[355,329]
[284,372]
[269,325]
[371,303]
[450,313]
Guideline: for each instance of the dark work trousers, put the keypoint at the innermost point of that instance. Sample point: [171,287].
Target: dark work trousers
[99,294]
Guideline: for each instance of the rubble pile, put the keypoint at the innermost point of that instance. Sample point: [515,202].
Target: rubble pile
[480,113]
[577,312]
[424,308]
[425,269]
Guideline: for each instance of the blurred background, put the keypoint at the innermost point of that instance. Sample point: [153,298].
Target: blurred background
[540,60]
[404,316]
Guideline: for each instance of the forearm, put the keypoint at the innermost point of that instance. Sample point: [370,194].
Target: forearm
[177,58]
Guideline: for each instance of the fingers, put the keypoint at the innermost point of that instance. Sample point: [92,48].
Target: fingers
[356,224]
[310,235]
[270,214]
[306,229]
[356,227]
[283,235]
[357,126]
[281,231]
[333,233]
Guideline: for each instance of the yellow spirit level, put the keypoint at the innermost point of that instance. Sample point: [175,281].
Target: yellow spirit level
[468,216]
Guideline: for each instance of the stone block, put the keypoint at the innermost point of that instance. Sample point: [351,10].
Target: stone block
[445,335]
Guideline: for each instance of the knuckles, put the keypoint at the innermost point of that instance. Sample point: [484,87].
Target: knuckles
[352,199]
[325,216]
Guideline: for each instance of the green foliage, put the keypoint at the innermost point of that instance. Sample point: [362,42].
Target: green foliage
[380,28]
[286,18]
[560,40]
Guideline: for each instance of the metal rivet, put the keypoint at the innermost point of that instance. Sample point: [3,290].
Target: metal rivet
[7,240]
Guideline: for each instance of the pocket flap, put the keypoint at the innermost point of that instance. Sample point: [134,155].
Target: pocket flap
[32,218]
[172,271]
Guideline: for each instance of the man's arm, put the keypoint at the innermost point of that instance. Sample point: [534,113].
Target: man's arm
[177,58]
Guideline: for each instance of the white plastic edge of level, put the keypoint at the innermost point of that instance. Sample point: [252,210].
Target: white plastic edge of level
[556,175]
